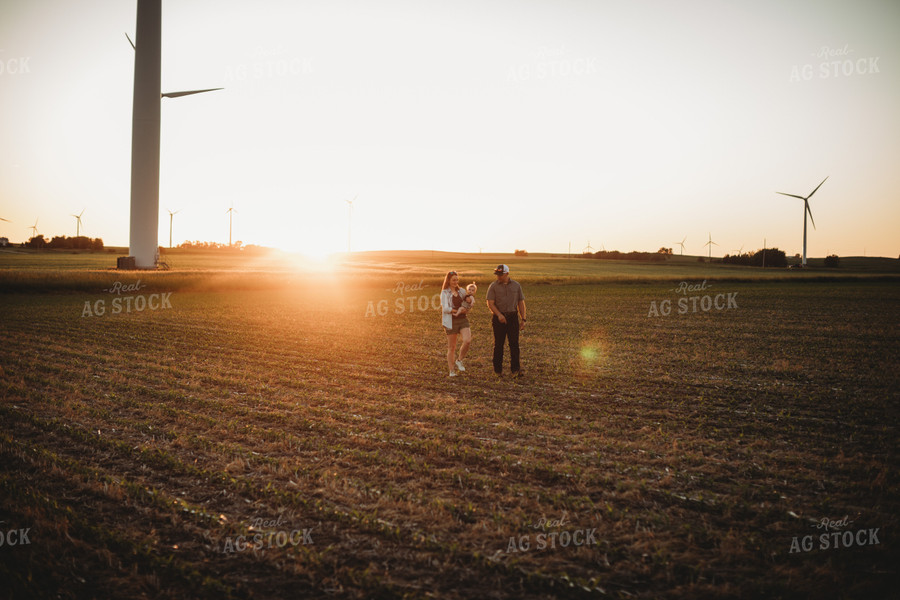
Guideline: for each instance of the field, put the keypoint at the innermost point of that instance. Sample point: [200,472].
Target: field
[268,432]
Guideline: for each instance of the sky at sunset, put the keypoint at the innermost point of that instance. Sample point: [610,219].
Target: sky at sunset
[465,125]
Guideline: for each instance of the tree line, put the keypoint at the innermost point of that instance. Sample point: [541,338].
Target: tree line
[62,242]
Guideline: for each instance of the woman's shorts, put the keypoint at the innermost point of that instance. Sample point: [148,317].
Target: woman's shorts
[458,325]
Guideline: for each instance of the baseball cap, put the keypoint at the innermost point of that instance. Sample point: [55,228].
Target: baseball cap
[501,269]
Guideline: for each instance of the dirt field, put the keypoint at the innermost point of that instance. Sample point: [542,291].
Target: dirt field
[298,437]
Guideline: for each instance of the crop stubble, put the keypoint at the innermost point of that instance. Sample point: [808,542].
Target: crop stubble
[139,443]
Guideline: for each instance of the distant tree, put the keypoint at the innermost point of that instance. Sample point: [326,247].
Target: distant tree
[664,250]
[61,242]
[521,253]
[773,258]
[833,261]
[37,241]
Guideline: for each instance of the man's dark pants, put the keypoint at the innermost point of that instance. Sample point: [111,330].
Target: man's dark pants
[502,332]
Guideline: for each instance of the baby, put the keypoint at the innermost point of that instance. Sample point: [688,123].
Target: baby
[464,305]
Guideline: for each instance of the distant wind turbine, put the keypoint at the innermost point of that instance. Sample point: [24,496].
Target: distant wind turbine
[587,249]
[230,213]
[710,244]
[78,223]
[350,220]
[681,243]
[172,214]
[805,211]
[34,229]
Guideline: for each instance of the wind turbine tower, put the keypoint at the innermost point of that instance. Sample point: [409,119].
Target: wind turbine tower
[34,229]
[171,214]
[350,219]
[710,243]
[143,240]
[78,223]
[230,212]
[805,211]
[681,243]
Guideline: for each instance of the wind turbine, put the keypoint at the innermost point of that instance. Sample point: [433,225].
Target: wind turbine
[805,211]
[230,212]
[144,223]
[33,229]
[710,244]
[350,220]
[681,243]
[172,214]
[587,249]
[78,223]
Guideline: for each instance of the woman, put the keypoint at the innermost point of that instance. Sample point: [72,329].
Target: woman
[455,322]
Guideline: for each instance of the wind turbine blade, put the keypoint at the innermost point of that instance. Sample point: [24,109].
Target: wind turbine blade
[791,195]
[130,42]
[810,215]
[180,94]
[815,190]
[7,220]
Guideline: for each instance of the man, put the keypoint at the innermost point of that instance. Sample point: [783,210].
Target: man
[506,303]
